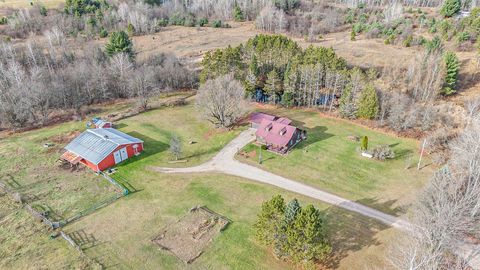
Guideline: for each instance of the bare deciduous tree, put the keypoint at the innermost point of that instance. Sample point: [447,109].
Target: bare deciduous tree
[175,147]
[222,100]
[447,212]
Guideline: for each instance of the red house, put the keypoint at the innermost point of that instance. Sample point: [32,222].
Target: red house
[102,148]
[276,133]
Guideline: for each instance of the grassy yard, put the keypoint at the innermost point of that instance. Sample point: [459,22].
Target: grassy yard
[328,159]
[119,235]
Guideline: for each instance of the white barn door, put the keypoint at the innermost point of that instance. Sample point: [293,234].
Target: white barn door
[123,153]
[117,157]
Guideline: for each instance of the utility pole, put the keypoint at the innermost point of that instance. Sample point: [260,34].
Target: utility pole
[260,154]
[421,153]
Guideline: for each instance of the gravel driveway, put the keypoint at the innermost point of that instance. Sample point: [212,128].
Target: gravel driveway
[224,162]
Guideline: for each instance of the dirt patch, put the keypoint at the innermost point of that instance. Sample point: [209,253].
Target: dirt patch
[190,236]
[65,137]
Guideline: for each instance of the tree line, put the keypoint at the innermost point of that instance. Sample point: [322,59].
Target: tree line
[275,69]
[37,78]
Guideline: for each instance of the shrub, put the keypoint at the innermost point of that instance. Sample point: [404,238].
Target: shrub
[43,10]
[203,22]
[383,152]
[217,24]
[238,14]
[463,36]
[130,29]
[408,41]
[162,22]
[3,20]
[103,33]
[364,143]
[450,7]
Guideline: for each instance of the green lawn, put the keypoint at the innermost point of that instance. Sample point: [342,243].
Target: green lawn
[119,235]
[330,161]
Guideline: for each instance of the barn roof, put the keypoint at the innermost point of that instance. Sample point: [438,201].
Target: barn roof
[96,144]
[275,132]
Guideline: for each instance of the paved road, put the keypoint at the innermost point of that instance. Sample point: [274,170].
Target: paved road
[225,162]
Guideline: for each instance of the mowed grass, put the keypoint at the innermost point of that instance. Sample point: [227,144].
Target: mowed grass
[119,235]
[199,140]
[123,231]
[329,160]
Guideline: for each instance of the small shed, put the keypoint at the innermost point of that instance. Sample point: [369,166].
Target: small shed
[99,123]
[102,148]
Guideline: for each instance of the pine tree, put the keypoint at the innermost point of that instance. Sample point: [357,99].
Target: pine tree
[273,85]
[291,211]
[269,220]
[364,143]
[308,237]
[368,103]
[452,67]
[119,42]
[238,14]
[451,7]
[284,243]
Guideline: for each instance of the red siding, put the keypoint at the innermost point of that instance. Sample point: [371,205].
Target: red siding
[89,164]
[109,161]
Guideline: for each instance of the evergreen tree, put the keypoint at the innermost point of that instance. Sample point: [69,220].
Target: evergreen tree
[273,85]
[269,220]
[451,7]
[308,237]
[119,42]
[364,143]
[368,103]
[282,245]
[238,14]
[452,67]
[291,211]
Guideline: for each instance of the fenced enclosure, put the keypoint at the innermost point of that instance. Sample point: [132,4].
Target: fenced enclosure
[189,236]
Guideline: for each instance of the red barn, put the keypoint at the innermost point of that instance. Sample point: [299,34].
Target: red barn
[100,149]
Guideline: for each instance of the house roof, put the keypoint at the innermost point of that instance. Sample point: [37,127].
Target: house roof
[274,132]
[259,116]
[96,144]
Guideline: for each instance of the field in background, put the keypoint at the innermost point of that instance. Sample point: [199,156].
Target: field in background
[329,160]
[27,3]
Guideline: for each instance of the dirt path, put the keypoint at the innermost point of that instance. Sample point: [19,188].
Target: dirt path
[224,162]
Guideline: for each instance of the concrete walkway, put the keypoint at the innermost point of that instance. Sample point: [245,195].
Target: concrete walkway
[225,162]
